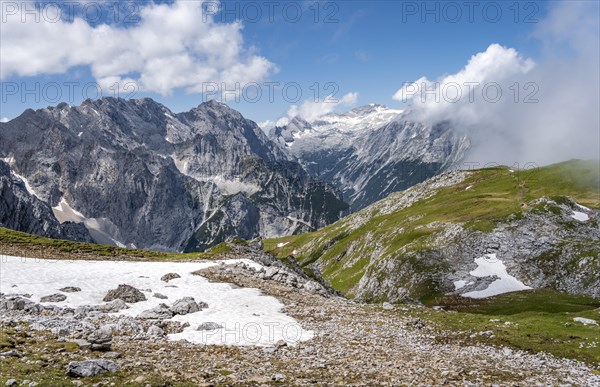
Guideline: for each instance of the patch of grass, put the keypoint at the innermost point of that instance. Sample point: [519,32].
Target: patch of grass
[533,321]
[40,247]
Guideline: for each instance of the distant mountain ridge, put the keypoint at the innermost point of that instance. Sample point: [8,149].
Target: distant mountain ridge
[371,151]
[137,174]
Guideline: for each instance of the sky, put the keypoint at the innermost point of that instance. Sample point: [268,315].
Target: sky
[272,60]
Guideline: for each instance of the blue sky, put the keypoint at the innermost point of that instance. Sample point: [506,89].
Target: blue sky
[369,48]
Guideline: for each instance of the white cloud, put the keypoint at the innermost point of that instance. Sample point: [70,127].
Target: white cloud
[4,119]
[310,109]
[548,111]
[171,47]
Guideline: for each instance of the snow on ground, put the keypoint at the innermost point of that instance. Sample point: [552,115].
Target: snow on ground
[247,316]
[459,284]
[580,216]
[281,244]
[583,207]
[488,266]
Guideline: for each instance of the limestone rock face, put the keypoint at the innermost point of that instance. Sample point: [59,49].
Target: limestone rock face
[136,174]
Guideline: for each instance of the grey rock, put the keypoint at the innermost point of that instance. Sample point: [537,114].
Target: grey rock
[112,355]
[70,289]
[387,306]
[11,353]
[160,295]
[186,305]
[87,368]
[11,382]
[155,331]
[209,326]
[112,306]
[169,276]
[101,339]
[159,312]
[126,293]
[53,298]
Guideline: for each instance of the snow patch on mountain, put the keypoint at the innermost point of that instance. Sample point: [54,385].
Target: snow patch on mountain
[490,266]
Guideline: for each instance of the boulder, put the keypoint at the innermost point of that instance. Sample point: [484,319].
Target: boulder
[187,305]
[88,368]
[126,293]
[70,289]
[169,276]
[101,339]
[155,331]
[159,312]
[160,295]
[113,306]
[209,326]
[57,297]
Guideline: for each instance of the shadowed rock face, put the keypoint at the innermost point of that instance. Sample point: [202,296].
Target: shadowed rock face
[22,211]
[137,174]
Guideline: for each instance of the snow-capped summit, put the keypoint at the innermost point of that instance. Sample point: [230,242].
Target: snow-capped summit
[370,151]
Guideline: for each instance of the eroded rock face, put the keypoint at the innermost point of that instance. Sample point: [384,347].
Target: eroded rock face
[87,368]
[207,170]
[126,293]
[22,210]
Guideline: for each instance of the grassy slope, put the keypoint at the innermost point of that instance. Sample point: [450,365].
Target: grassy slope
[534,321]
[495,194]
[14,242]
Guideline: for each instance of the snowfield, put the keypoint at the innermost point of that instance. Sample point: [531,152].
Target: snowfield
[489,266]
[247,316]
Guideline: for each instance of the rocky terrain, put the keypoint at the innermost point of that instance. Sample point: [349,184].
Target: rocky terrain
[353,344]
[138,175]
[371,151]
[473,233]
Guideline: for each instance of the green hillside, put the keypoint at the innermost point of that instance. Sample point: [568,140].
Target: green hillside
[345,250]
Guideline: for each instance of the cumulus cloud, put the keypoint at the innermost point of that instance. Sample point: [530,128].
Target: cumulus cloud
[4,119]
[311,110]
[173,46]
[546,111]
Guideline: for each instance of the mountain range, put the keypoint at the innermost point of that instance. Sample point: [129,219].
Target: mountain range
[138,175]
[371,151]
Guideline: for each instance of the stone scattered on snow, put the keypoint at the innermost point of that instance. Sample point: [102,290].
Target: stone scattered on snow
[70,289]
[126,293]
[159,312]
[209,326]
[160,296]
[187,305]
[57,297]
[169,276]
